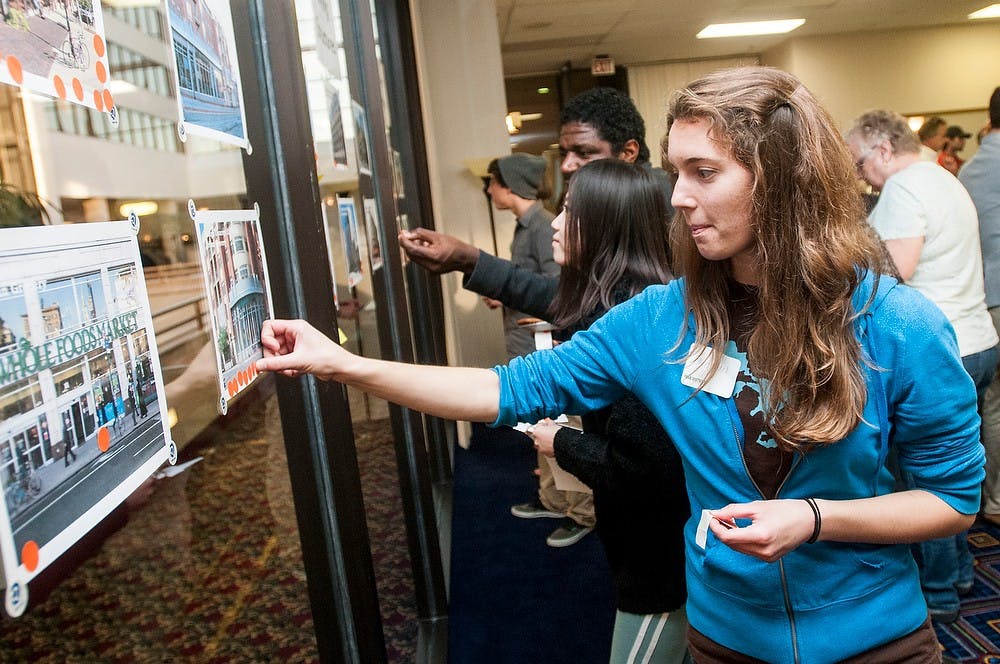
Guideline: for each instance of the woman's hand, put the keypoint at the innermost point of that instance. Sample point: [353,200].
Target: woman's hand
[544,434]
[777,527]
[294,347]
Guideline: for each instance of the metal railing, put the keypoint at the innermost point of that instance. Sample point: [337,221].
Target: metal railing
[159,275]
[180,323]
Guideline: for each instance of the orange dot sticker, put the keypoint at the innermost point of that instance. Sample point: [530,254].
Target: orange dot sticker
[60,87]
[14,67]
[233,387]
[98,101]
[78,89]
[29,555]
[103,439]
[98,46]
[109,101]
[102,72]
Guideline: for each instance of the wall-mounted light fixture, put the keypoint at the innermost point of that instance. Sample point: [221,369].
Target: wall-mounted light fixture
[515,119]
[141,208]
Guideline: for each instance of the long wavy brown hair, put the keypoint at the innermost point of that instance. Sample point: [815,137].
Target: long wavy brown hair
[811,241]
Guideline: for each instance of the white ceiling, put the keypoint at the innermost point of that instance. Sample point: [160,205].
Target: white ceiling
[540,35]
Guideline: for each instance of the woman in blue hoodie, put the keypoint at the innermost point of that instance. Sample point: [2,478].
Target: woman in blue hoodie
[784,368]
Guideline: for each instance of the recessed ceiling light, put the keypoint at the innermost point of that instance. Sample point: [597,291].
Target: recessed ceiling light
[993,11]
[751,28]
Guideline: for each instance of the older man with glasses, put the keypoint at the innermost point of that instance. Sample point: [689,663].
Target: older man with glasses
[930,228]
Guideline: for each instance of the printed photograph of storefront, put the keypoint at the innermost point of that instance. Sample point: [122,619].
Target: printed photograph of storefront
[78,394]
[237,286]
[207,73]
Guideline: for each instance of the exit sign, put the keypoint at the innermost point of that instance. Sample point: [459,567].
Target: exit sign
[602,65]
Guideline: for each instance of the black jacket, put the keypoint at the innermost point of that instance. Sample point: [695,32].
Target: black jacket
[625,456]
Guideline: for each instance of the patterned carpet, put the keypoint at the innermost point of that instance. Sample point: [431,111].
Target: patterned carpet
[390,555]
[208,567]
[975,636]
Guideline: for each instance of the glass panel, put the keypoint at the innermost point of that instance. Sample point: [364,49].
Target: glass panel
[204,564]
[336,140]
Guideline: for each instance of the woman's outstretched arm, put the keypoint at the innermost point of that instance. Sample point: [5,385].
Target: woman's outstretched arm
[294,347]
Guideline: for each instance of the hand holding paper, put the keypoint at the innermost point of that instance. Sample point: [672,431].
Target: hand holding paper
[294,347]
[544,434]
[776,527]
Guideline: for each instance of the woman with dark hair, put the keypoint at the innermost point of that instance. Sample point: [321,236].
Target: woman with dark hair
[610,242]
[784,368]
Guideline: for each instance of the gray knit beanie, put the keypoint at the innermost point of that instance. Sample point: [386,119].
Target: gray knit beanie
[522,173]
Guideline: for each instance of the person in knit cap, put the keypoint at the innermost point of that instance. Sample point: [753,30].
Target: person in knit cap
[517,184]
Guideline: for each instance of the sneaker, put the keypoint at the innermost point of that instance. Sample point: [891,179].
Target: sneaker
[534,510]
[569,533]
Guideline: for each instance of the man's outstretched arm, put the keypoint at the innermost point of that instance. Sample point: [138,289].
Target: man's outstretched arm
[488,275]
[437,252]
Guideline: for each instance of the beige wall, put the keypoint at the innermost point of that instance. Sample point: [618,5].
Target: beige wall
[461,78]
[948,71]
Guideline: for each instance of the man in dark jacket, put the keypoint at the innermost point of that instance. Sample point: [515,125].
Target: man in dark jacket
[600,123]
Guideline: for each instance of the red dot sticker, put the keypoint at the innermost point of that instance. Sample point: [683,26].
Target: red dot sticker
[29,555]
[103,439]
[14,67]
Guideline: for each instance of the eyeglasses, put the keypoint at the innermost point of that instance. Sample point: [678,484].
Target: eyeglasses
[859,163]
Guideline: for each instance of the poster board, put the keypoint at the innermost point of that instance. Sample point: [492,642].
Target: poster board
[207,73]
[350,237]
[338,140]
[80,388]
[59,50]
[329,253]
[238,291]
[362,146]
[374,231]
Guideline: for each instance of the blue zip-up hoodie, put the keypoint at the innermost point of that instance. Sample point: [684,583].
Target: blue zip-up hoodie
[822,602]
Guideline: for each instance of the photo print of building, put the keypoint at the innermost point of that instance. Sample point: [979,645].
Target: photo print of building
[374,230]
[208,76]
[238,292]
[57,48]
[350,240]
[80,387]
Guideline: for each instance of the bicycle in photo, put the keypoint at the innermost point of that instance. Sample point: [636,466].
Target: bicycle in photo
[27,487]
[74,52]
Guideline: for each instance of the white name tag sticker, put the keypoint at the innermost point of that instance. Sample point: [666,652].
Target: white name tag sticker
[701,535]
[699,363]
[543,340]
